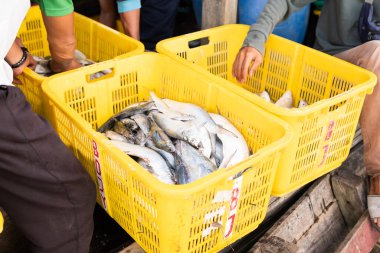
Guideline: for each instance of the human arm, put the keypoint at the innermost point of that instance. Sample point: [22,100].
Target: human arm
[19,59]
[58,16]
[61,38]
[251,54]
[129,11]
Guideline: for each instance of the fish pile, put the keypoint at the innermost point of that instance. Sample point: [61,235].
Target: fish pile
[43,68]
[176,142]
[285,101]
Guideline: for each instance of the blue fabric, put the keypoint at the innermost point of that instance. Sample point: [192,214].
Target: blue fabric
[128,5]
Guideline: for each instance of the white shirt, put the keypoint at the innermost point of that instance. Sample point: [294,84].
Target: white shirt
[12,13]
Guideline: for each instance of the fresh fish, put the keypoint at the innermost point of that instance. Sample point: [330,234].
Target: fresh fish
[159,137]
[127,112]
[135,109]
[112,135]
[79,55]
[202,118]
[164,108]
[139,137]
[192,164]
[143,122]
[286,100]
[42,65]
[265,95]
[169,158]
[120,128]
[186,131]
[155,163]
[130,124]
[302,103]
[218,152]
[235,148]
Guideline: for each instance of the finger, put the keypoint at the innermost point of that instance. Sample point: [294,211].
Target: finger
[255,65]
[235,66]
[244,69]
[240,67]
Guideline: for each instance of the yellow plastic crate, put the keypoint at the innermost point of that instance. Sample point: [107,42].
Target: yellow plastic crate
[335,89]
[96,41]
[203,216]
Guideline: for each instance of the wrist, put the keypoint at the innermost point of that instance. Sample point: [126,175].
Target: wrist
[14,63]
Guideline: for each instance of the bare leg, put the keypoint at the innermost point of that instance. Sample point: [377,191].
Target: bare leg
[368,56]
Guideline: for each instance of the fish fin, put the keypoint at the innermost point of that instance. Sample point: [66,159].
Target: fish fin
[222,130]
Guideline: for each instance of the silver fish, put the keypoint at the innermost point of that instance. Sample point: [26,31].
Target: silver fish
[130,124]
[192,164]
[112,135]
[235,148]
[143,122]
[169,158]
[127,112]
[286,100]
[120,128]
[157,165]
[159,137]
[265,95]
[186,131]
[202,118]
[164,108]
[302,103]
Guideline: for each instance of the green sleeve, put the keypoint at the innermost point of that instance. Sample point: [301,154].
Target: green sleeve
[274,12]
[56,8]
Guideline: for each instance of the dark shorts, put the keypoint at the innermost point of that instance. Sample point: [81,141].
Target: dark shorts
[43,188]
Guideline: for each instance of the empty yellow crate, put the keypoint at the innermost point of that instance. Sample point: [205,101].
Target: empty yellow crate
[96,41]
[203,216]
[335,89]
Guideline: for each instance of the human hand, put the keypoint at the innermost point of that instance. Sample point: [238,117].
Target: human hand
[242,64]
[63,65]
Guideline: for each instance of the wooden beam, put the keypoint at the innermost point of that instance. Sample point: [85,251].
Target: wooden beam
[362,238]
[218,12]
[348,190]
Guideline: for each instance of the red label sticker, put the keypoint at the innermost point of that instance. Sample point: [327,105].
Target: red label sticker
[99,174]
[330,130]
[325,150]
[233,206]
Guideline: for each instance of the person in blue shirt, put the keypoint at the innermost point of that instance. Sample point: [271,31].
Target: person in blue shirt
[147,20]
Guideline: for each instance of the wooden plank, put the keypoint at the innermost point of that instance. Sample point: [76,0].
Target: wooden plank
[218,12]
[312,222]
[133,248]
[274,244]
[349,191]
[361,239]
[326,233]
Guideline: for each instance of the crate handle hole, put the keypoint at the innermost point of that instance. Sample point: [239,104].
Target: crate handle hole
[100,75]
[199,42]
